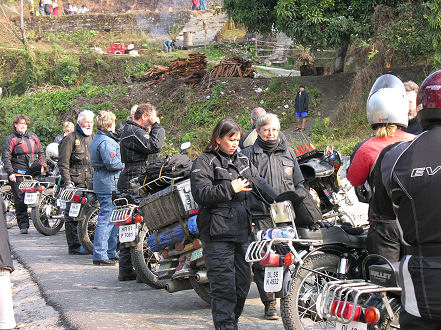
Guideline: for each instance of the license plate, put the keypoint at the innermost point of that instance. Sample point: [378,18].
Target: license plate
[351,326]
[196,254]
[62,204]
[74,209]
[30,198]
[127,233]
[273,279]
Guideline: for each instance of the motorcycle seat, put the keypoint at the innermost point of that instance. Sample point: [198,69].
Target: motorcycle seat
[51,179]
[334,235]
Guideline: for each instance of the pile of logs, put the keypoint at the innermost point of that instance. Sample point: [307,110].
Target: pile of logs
[233,67]
[190,70]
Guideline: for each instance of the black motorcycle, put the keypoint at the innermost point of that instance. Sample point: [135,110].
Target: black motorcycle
[40,195]
[300,261]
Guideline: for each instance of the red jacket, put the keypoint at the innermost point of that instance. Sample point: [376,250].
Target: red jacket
[368,152]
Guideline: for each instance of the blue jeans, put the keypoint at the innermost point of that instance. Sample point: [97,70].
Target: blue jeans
[106,233]
[202,5]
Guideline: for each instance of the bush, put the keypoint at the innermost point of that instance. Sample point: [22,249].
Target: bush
[67,71]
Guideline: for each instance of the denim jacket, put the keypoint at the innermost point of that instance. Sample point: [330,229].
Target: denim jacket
[106,161]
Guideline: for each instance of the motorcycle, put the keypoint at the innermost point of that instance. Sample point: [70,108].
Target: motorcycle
[162,233]
[40,197]
[300,261]
[372,303]
[8,198]
[321,171]
[84,208]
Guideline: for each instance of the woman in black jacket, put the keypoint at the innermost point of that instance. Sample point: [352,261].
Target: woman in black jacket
[7,320]
[220,187]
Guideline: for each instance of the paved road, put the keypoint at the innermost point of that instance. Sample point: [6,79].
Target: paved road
[91,297]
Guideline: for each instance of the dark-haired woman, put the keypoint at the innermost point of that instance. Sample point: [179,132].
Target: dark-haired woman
[220,187]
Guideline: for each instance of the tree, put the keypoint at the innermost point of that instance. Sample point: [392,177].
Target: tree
[311,23]
[21,33]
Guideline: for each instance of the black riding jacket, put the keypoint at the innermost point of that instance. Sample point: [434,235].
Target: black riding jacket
[136,146]
[411,176]
[279,168]
[74,161]
[20,151]
[224,215]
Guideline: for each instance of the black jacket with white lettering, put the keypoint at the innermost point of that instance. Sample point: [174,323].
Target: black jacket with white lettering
[411,176]
[224,215]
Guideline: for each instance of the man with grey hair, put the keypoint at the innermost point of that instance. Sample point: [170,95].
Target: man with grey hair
[119,129]
[76,169]
[277,164]
[249,138]
[413,126]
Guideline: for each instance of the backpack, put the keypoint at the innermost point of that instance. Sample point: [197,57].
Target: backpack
[306,209]
[159,172]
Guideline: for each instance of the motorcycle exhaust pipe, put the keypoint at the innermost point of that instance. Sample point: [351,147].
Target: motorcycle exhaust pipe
[178,285]
[201,276]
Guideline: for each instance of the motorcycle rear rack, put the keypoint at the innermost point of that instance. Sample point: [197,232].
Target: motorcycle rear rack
[259,250]
[347,292]
[27,183]
[123,211]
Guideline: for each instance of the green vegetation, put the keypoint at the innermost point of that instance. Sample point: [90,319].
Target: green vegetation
[343,138]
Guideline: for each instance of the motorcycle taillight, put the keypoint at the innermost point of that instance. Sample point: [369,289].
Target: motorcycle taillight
[337,310]
[273,259]
[76,199]
[127,222]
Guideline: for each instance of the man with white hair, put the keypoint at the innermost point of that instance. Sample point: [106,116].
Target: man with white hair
[76,169]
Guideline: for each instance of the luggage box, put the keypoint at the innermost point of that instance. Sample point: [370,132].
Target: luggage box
[168,205]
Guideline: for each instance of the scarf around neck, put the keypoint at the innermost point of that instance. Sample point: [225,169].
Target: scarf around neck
[268,146]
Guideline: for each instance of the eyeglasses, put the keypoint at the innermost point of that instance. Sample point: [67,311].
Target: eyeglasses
[270,130]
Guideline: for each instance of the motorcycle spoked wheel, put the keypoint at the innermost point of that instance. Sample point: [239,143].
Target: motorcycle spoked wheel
[42,214]
[144,261]
[298,309]
[11,219]
[202,289]
[86,227]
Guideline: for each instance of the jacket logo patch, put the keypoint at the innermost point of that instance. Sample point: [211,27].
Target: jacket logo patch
[288,171]
[420,171]
[112,154]
[77,142]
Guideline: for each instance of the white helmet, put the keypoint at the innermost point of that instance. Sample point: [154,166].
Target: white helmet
[387,102]
[52,152]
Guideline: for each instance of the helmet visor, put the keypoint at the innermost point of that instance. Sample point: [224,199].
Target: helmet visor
[386,81]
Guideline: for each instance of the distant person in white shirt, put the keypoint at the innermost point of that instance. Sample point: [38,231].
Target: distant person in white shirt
[83,10]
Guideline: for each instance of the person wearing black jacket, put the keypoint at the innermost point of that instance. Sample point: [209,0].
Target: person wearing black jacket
[220,186]
[411,182]
[21,150]
[76,170]
[140,140]
[301,106]
[277,164]
[7,320]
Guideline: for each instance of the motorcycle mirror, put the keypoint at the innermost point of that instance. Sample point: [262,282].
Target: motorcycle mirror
[185,145]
